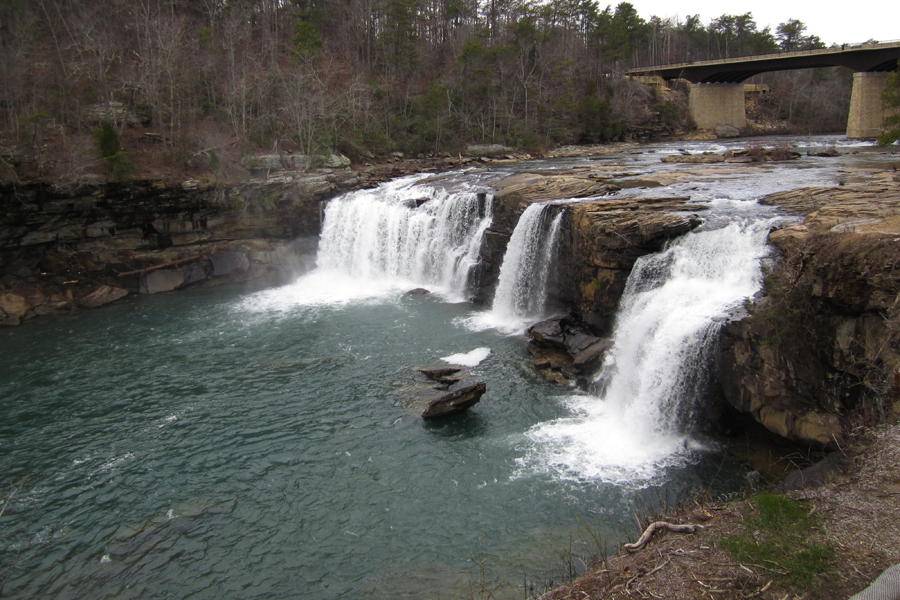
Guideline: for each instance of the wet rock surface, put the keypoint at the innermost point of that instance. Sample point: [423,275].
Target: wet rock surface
[821,348]
[566,351]
[451,389]
[601,237]
[454,402]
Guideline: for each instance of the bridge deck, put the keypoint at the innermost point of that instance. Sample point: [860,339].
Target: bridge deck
[858,57]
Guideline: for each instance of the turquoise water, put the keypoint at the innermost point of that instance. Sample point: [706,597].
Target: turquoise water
[231,444]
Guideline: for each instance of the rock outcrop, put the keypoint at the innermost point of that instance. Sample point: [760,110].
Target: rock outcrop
[83,246]
[565,351]
[821,348]
[600,239]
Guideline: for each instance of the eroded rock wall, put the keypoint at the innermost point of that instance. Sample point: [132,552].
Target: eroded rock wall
[65,247]
[819,352]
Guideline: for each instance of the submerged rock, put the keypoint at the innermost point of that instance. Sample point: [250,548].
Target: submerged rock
[417,292]
[454,402]
[446,376]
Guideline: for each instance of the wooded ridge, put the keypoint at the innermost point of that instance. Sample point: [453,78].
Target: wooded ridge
[200,84]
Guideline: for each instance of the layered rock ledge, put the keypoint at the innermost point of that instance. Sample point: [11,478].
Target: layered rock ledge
[819,353]
[82,246]
[600,239]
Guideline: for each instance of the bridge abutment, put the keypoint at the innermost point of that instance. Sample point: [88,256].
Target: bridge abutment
[866,110]
[711,104]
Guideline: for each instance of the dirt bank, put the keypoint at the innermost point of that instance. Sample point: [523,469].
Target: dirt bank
[827,542]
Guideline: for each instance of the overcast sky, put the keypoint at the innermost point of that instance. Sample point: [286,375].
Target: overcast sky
[833,22]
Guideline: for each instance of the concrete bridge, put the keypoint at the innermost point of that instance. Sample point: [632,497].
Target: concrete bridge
[717,91]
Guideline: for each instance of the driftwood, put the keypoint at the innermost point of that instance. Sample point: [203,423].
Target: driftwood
[648,533]
[154,267]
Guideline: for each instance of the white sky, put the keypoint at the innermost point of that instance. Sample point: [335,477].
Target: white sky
[834,22]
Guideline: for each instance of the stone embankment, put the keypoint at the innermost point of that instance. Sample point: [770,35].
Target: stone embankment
[82,246]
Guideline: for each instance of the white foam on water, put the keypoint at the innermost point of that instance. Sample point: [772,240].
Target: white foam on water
[468,359]
[639,421]
[324,287]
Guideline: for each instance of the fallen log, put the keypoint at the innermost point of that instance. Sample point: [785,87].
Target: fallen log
[154,267]
[653,527]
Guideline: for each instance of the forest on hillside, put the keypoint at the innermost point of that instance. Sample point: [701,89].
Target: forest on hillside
[216,79]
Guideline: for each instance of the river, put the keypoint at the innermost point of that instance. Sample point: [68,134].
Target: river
[258,443]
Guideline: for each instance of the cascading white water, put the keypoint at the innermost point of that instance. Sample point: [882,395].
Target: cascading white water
[521,294]
[639,420]
[522,286]
[407,232]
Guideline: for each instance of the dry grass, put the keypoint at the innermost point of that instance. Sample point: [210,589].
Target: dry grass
[856,514]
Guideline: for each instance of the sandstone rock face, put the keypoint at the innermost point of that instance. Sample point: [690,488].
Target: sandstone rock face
[227,263]
[565,351]
[161,280]
[822,347]
[602,239]
[78,238]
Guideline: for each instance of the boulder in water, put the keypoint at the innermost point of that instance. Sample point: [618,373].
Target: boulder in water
[724,130]
[103,294]
[417,292]
[565,349]
[454,402]
[548,333]
[161,280]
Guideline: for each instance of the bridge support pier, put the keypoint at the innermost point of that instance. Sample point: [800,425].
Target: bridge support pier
[866,112]
[712,104]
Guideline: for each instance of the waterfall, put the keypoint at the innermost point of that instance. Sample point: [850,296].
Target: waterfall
[639,418]
[405,232]
[522,287]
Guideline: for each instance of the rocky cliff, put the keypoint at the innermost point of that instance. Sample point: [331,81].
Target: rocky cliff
[818,353]
[64,247]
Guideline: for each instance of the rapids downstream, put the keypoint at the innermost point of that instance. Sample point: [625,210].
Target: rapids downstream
[242,444]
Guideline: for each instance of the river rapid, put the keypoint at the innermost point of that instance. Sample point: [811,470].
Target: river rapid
[258,443]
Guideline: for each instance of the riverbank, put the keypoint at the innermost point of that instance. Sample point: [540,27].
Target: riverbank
[827,537]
